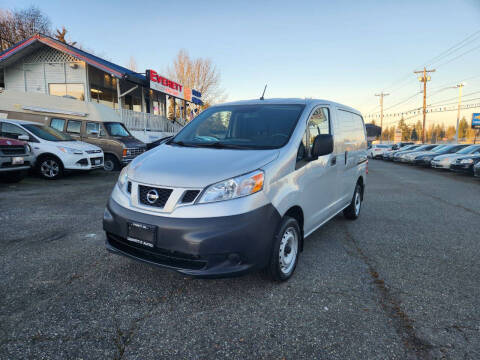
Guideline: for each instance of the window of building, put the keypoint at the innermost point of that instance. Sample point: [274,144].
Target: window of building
[74,126]
[58,124]
[72,91]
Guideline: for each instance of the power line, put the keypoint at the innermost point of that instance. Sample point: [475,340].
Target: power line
[454,48]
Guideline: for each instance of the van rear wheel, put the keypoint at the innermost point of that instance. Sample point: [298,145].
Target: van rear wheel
[284,256]
[352,212]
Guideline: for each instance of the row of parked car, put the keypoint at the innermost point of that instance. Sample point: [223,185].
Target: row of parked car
[463,158]
[49,151]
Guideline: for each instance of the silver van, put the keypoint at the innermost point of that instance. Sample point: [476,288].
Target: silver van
[240,188]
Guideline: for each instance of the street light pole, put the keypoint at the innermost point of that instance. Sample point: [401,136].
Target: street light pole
[459,86]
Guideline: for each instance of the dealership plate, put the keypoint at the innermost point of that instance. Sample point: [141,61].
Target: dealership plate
[17,160]
[97,162]
[142,234]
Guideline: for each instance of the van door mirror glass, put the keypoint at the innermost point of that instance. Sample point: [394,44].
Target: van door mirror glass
[24,137]
[322,145]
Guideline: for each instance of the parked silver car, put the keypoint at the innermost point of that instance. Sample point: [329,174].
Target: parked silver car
[449,154]
[240,187]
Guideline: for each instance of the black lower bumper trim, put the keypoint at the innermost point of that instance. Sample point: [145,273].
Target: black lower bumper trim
[202,247]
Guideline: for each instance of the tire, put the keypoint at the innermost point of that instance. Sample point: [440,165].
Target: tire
[50,168]
[352,212]
[285,250]
[110,163]
[13,177]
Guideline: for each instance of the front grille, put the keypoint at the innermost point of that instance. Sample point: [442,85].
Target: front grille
[12,149]
[161,195]
[135,152]
[190,196]
[93,151]
[83,162]
[160,256]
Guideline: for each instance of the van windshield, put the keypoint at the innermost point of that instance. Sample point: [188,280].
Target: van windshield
[47,133]
[260,126]
[116,129]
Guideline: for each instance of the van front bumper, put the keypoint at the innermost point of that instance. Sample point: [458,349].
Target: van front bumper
[199,247]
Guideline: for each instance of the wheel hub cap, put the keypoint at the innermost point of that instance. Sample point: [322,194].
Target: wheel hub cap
[288,250]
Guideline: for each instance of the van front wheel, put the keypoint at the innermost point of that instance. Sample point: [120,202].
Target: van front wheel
[352,212]
[110,163]
[284,257]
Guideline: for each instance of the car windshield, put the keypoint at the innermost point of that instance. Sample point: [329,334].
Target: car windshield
[423,147]
[382,146]
[469,149]
[408,147]
[47,133]
[260,126]
[116,129]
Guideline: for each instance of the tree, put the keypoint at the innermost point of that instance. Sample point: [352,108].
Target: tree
[199,74]
[450,133]
[462,128]
[132,64]
[60,36]
[18,25]
[404,128]
[414,135]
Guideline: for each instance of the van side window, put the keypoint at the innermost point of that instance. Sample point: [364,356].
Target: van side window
[74,126]
[319,123]
[58,124]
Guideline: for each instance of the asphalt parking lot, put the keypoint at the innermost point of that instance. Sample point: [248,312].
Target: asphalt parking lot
[401,282]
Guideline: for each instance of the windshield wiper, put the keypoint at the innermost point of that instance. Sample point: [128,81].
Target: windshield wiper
[219,145]
[180,143]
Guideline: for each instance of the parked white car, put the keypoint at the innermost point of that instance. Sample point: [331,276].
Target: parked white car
[55,151]
[377,150]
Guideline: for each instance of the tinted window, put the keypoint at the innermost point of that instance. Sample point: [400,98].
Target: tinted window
[12,131]
[47,133]
[469,149]
[116,129]
[242,126]
[58,124]
[74,126]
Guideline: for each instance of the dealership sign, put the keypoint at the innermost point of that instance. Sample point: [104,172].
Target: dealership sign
[170,87]
[476,120]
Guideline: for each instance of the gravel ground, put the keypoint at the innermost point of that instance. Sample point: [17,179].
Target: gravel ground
[401,282]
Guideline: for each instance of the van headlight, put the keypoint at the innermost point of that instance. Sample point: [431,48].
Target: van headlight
[122,179]
[234,188]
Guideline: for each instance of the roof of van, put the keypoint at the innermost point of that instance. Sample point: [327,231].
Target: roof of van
[290,101]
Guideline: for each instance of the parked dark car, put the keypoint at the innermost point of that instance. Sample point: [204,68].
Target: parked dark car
[426,159]
[388,155]
[465,164]
[155,143]
[399,145]
[16,158]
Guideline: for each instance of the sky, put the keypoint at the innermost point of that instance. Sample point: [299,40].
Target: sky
[344,51]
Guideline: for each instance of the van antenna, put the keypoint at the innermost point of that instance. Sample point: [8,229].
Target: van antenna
[263,95]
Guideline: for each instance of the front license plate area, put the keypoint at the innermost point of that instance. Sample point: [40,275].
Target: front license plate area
[17,160]
[142,234]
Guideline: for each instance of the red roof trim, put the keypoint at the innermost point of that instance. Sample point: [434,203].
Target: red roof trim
[19,46]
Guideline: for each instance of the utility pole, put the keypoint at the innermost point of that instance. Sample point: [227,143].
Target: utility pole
[424,78]
[459,86]
[381,95]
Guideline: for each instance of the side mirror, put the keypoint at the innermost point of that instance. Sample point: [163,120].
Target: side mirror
[322,145]
[23,137]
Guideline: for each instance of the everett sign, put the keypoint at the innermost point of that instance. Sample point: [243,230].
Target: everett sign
[476,120]
[167,86]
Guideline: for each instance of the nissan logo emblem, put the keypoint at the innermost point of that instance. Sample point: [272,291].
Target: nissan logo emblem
[152,196]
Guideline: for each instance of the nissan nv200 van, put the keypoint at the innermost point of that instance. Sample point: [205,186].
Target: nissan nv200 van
[240,187]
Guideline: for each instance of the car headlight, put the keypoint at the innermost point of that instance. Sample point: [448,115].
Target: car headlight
[466,161]
[234,188]
[122,179]
[70,150]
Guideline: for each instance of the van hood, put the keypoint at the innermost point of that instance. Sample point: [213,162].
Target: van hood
[190,167]
[130,142]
